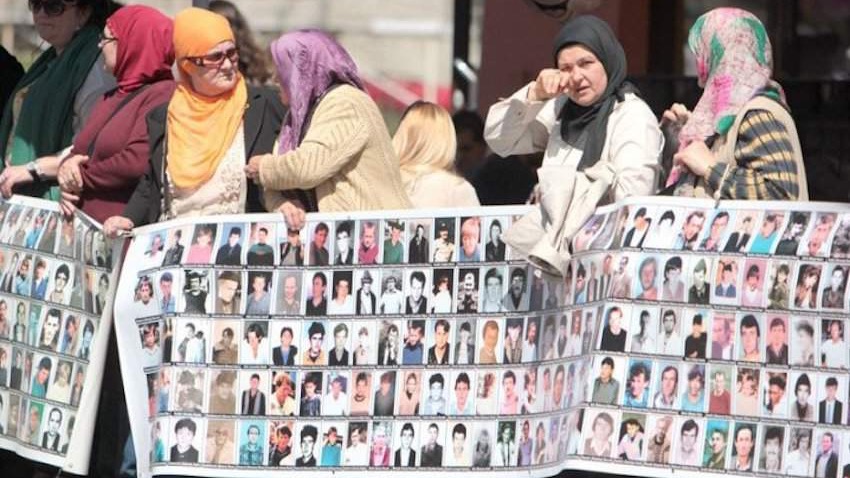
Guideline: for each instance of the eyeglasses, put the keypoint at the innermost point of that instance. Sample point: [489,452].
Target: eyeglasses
[214,59]
[51,8]
[103,39]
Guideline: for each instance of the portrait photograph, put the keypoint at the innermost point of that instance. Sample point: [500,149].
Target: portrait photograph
[356,452]
[384,394]
[637,387]
[659,438]
[769,229]
[770,452]
[407,442]
[486,391]
[606,234]
[776,342]
[222,392]
[316,292]
[187,435]
[419,245]
[229,292]
[687,441]
[259,293]
[669,341]
[197,297]
[833,343]
[220,448]
[589,231]
[692,399]
[646,287]
[201,246]
[367,291]
[254,387]
[364,343]
[803,344]
[467,293]
[470,240]
[695,325]
[225,339]
[753,293]
[719,382]
[320,243]
[747,392]
[149,335]
[827,449]
[381,447]
[464,343]
[188,394]
[433,442]
[834,287]
[793,234]
[621,277]
[445,240]
[255,343]
[803,403]
[631,437]
[609,373]
[775,394]
[819,235]
[335,394]
[417,284]
[361,396]
[394,242]
[175,245]
[493,289]
[483,444]
[511,385]
[841,239]
[154,249]
[291,246]
[283,399]
[718,227]
[598,436]
[392,295]
[260,251]
[344,243]
[288,293]
[722,336]
[389,342]
[613,336]
[716,445]
[331,443]
[726,283]
[435,399]
[742,231]
[637,227]
[800,457]
[410,395]
[663,229]
[190,338]
[368,245]
[742,456]
[252,441]
[807,286]
[831,389]
[341,301]
[314,342]
[749,330]
[439,340]
[459,453]
[442,299]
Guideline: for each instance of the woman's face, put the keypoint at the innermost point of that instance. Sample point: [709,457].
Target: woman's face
[586,76]
[810,280]
[109,47]
[59,29]
[214,79]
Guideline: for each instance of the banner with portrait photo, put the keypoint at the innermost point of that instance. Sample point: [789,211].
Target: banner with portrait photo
[409,341]
[57,281]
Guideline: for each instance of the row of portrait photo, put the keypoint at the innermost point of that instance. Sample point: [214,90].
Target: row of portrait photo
[364,292]
[417,443]
[701,280]
[46,231]
[762,338]
[714,444]
[720,389]
[42,375]
[35,423]
[328,243]
[45,328]
[514,391]
[359,342]
[779,232]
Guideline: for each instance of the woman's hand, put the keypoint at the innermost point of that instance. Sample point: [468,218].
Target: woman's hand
[550,83]
[69,177]
[677,115]
[116,226]
[293,212]
[696,157]
[13,176]
[252,169]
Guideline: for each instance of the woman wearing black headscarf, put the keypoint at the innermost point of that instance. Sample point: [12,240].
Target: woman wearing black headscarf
[601,142]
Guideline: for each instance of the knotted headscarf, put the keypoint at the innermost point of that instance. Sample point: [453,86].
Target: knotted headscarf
[200,128]
[308,62]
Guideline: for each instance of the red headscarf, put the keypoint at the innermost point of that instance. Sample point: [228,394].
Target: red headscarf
[145,46]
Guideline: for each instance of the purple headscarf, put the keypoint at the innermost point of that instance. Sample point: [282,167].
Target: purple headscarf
[308,63]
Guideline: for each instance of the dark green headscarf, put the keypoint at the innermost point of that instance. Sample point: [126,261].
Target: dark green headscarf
[45,123]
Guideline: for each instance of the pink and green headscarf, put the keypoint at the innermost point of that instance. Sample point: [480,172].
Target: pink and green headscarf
[734,64]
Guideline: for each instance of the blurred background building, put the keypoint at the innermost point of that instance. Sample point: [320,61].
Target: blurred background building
[464,54]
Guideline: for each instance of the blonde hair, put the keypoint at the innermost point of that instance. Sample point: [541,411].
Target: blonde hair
[425,141]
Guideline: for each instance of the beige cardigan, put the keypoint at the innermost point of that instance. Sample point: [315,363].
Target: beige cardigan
[346,156]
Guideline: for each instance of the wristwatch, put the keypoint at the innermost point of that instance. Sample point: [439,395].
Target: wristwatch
[35,171]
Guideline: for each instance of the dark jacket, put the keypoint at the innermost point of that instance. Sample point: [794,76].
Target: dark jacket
[262,122]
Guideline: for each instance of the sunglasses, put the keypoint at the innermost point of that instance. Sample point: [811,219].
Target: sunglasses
[215,59]
[51,8]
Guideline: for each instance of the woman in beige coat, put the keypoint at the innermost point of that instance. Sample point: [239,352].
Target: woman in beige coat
[334,152]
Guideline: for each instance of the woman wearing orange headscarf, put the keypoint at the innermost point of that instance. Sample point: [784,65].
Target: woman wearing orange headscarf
[201,140]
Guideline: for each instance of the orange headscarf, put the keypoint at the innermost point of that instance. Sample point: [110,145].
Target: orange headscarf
[200,128]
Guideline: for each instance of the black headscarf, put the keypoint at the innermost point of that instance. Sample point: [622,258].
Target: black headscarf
[595,35]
